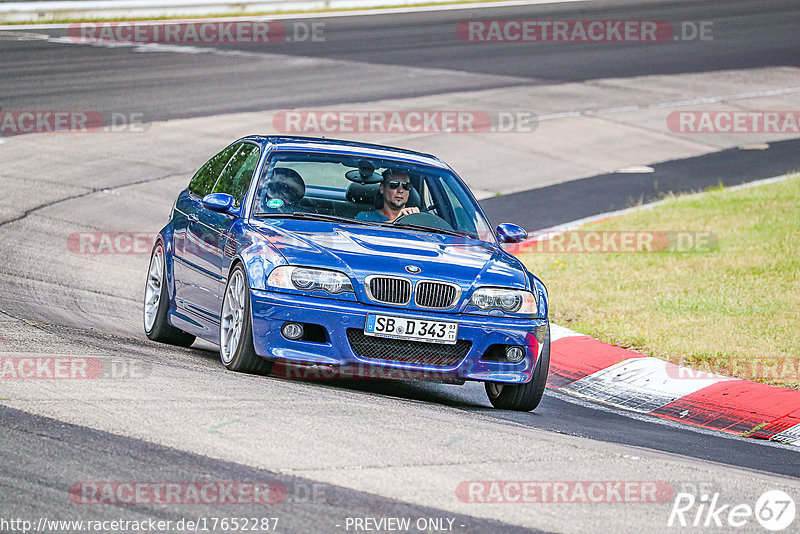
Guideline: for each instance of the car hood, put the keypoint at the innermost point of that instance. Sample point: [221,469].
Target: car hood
[360,250]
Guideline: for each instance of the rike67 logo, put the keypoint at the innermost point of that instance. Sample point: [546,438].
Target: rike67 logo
[774,510]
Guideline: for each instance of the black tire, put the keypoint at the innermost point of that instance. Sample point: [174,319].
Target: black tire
[161,330]
[244,358]
[523,397]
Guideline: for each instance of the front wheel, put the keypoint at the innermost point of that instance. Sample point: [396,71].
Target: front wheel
[523,397]
[156,304]
[236,348]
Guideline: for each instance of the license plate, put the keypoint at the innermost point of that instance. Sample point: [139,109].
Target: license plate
[441,332]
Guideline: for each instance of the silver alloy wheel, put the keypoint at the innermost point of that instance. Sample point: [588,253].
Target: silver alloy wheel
[494,389]
[152,291]
[232,317]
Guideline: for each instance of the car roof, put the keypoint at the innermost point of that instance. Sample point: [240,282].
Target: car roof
[319,144]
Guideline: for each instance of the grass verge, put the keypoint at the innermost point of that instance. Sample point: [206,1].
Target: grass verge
[731,309]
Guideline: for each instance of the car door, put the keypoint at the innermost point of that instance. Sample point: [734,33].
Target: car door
[209,231]
[187,208]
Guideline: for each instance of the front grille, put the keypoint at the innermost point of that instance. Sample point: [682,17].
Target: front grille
[436,294]
[389,290]
[415,352]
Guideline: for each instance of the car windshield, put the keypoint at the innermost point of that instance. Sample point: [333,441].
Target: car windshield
[361,190]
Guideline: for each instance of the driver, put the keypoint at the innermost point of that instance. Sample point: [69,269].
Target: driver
[394,189]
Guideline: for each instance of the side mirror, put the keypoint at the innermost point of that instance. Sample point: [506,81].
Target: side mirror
[511,233]
[219,202]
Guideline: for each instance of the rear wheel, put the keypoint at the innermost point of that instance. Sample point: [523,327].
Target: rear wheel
[236,348]
[523,397]
[156,304]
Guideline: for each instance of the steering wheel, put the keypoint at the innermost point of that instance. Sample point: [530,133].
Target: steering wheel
[424,219]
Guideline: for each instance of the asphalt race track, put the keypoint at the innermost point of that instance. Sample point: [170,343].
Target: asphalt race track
[601,194]
[357,449]
[362,55]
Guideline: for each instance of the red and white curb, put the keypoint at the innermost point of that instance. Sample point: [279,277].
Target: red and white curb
[589,368]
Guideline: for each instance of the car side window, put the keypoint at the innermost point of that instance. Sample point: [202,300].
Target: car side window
[203,181]
[235,178]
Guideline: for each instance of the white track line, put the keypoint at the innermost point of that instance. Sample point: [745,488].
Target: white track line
[669,104]
[627,109]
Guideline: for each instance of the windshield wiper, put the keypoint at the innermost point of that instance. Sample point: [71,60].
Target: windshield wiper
[336,218]
[428,229]
[309,216]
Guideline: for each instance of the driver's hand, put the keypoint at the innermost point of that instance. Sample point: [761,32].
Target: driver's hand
[408,211]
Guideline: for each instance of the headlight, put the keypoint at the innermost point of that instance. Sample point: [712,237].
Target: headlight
[305,279]
[507,300]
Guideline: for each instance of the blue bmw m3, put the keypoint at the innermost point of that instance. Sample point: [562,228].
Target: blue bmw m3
[369,260]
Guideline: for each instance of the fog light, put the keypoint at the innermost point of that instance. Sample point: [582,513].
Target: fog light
[292,330]
[515,354]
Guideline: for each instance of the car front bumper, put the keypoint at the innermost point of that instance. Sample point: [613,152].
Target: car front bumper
[270,310]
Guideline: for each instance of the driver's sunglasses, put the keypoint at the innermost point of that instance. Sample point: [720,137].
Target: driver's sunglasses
[394,184]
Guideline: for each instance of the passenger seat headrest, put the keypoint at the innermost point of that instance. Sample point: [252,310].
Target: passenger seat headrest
[362,193]
[286,184]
